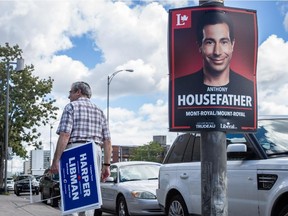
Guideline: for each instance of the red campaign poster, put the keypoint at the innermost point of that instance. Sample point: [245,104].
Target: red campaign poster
[212,69]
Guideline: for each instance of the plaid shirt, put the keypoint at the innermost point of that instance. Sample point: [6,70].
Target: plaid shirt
[84,121]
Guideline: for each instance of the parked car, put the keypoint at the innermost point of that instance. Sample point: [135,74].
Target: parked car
[38,177]
[23,182]
[131,189]
[10,184]
[49,188]
[257,172]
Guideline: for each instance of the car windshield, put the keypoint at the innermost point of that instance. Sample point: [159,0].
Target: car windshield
[138,172]
[273,137]
[25,177]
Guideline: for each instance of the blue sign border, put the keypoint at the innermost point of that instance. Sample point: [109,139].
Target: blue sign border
[79,179]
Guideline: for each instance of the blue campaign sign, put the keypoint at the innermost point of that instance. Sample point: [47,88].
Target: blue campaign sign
[79,180]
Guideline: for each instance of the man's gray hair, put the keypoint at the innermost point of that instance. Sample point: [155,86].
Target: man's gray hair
[83,87]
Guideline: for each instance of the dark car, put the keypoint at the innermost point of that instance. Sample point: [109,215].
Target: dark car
[49,188]
[26,183]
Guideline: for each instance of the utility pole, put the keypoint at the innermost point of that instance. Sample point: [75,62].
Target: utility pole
[213,164]
[19,67]
[214,173]
[196,102]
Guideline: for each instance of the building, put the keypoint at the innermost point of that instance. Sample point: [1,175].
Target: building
[160,139]
[123,153]
[39,161]
[26,167]
[163,142]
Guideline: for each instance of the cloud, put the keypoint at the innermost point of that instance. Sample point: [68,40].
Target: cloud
[138,127]
[128,35]
[133,38]
[40,27]
[272,76]
[63,70]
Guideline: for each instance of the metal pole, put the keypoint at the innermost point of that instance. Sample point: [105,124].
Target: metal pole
[214,173]
[50,144]
[19,67]
[108,83]
[213,164]
[109,79]
[7,124]
[202,2]
[30,190]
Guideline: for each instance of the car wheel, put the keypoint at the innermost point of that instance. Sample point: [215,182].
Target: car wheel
[284,211]
[97,212]
[122,207]
[177,207]
[54,202]
[17,193]
[37,192]
[43,199]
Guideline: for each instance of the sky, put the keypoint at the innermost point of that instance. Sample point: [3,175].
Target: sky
[77,40]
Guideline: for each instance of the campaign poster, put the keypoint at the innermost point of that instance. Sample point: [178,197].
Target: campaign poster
[212,69]
[79,180]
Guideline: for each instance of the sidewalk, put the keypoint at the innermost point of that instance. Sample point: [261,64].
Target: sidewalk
[21,206]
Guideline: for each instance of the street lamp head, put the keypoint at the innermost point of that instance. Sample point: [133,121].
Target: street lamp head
[20,64]
[108,84]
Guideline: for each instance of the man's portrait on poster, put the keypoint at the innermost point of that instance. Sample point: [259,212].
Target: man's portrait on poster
[216,80]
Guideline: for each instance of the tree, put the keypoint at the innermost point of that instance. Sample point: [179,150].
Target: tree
[29,105]
[152,151]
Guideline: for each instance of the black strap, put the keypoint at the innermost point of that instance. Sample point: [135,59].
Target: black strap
[78,141]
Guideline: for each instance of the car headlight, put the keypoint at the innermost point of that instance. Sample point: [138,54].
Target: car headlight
[143,195]
[35,183]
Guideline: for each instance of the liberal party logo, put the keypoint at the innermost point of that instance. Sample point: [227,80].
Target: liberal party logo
[228,125]
[181,19]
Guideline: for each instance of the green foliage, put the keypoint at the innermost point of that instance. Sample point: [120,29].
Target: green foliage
[152,151]
[29,105]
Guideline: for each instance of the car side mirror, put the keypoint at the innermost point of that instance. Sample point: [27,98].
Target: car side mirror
[236,147]
[110,179]
[236,151]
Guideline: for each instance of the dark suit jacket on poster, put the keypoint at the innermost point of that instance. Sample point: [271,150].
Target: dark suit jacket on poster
[219,104]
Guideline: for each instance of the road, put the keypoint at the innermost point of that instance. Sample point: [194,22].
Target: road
[37,199]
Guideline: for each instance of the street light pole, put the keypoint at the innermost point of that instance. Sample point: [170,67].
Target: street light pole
[51,152]
[19,67]
[51,127]
[109,79]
